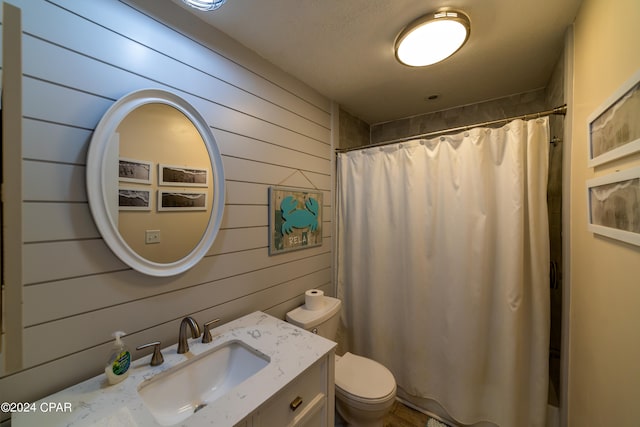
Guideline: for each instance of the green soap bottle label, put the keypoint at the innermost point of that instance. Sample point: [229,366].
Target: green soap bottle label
[122,362]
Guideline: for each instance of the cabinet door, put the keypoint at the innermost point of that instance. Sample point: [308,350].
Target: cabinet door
[315,417]
[300,402]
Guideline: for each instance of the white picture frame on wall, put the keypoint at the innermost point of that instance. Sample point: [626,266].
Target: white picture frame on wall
[614,127]
[613,205]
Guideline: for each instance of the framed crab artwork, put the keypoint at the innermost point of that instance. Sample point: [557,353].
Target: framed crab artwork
[295,219]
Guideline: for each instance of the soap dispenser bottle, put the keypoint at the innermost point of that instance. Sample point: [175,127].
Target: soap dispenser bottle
[117,368]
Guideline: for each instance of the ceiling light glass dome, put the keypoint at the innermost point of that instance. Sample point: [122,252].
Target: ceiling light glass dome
[205,4]
[432,38]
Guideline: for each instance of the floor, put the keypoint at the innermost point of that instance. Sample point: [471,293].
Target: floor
[403,416]
[399,416]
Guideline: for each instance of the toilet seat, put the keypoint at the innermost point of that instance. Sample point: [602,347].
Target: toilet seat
[363,380]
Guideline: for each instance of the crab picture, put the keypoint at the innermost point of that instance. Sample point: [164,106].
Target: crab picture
[299,218]
[295,219]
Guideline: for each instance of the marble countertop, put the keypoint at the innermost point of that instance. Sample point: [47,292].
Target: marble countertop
[96,403]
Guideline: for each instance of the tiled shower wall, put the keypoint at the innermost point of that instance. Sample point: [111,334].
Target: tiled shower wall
[353,131]
[515,105]
[555,96]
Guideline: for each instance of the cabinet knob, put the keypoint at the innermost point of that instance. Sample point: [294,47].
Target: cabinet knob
[295,403]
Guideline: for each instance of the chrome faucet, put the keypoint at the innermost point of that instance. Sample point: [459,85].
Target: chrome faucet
[183,345]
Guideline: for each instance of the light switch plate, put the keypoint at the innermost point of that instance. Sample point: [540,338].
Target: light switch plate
[152,236]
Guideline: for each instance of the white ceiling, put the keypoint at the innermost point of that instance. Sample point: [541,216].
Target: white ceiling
[344,49]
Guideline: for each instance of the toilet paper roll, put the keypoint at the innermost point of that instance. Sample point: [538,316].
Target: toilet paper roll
[314,299]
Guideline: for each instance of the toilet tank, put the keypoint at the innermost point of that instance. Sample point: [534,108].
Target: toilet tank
[323,322]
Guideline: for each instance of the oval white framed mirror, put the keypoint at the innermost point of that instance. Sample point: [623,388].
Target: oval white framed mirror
[155,182]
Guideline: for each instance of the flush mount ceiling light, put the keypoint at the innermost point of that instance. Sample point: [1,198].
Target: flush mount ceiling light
[205,4]
[432,37]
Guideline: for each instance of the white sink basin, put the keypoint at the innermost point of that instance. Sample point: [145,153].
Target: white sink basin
[175,394]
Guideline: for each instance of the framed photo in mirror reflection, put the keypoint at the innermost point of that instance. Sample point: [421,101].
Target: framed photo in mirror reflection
[135,171]
[182,200]
[182,176]
[134,199]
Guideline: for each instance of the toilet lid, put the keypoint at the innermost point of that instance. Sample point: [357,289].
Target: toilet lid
[363,379]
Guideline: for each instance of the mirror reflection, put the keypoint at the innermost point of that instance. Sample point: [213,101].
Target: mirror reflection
[162,203]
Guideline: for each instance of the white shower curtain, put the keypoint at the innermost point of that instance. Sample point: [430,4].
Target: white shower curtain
[443,268]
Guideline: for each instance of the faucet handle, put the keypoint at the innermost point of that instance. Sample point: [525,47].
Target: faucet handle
[157,358]
[206,334]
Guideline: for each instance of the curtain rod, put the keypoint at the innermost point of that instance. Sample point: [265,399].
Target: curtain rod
[562,110]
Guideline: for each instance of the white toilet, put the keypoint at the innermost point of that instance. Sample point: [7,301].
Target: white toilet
[365,389]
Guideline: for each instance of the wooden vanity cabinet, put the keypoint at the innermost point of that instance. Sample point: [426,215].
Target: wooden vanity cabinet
[307,401]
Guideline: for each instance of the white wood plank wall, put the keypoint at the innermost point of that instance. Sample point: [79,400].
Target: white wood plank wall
[78,58]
